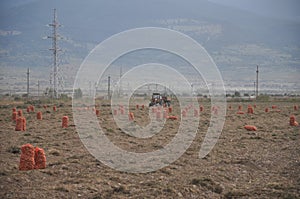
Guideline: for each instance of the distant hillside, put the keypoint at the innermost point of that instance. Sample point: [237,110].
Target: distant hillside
[234,37]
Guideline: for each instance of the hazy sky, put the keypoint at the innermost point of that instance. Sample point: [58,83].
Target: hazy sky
[244,39]
[288,9]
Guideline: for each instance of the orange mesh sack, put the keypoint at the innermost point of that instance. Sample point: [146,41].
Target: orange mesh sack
[20,113]
[240,112]
[14,116]
[196,113]
[130,116]
[24,124]
[19,124]
[240,107]
[165,114]
[39,158]
[293,121]
[27,157]
[172,117]
[65,121]
[201,108]
[39,115]
[122,111]
[216,111]
[183,113]
[250,128]
[250,110]
[115,112]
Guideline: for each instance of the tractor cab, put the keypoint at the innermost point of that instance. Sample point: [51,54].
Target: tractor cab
[159,100]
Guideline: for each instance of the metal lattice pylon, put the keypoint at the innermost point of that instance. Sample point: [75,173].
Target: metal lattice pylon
[55,73]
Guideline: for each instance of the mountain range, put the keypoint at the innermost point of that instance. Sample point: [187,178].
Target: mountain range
[237,36]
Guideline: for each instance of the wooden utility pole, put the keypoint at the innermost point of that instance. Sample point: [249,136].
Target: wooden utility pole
[90,88]
[38,88]
[120,83]
[254,90]
[256,81]
[108,87]
[28,83]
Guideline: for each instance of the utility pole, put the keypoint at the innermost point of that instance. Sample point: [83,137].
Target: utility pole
[55,25]
[256,81]
[254,90]
[9,89]
[38,84]
[120,83]
[95,89]
[27,82]
[90,88]
[108,88]
[149,90]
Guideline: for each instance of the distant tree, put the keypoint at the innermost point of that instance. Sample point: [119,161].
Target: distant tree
[237,94]
[263,97]
[77,93]
[17,98]
[64,96]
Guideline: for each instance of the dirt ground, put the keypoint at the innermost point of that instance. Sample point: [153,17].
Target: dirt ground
[243,164]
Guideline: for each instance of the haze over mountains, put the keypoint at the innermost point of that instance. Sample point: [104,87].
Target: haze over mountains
[238,34]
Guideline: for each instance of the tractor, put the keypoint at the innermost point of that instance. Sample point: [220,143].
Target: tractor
[160,100]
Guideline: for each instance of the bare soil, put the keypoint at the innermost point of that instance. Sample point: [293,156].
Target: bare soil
[243,164]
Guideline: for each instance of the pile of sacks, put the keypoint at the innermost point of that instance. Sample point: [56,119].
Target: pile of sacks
[32,158]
